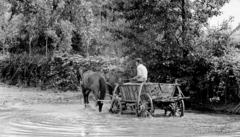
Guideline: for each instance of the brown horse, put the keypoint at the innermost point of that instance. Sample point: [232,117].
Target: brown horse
[95,82]
[114,77]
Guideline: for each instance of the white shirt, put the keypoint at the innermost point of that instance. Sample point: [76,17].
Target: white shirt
[142,71]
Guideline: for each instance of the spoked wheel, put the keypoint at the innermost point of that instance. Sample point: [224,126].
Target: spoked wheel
[116,106]
[145,106]
[177,108]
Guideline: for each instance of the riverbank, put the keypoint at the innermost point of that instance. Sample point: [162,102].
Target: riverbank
[12,95]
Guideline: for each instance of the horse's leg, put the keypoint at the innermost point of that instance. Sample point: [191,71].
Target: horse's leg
[100,92]
[95,93]
[85,96]
[165,112]
[98,103]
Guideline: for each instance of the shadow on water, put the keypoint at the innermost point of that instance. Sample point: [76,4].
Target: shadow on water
[72,120]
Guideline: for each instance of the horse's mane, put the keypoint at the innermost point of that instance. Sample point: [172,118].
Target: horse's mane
[80,72]
[78,75]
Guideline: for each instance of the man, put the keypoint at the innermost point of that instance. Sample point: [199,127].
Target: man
[142,72]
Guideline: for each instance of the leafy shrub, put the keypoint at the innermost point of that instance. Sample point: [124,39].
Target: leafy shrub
[58,72]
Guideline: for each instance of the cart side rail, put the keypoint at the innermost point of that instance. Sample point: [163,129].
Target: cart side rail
[130,91]
[167,89]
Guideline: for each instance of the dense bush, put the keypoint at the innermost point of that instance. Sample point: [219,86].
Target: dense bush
[58,72]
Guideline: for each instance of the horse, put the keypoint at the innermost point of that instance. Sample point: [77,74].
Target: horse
[114,77]
[92,81]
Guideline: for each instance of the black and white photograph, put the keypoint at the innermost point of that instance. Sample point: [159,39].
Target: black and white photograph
[119,68]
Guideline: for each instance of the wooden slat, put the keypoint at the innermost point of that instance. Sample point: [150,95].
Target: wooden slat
[169,99]
[138,84]
[128,95]
[136,92]
[124,94]
[144,89]
[167,89]
[131,93]
[149,88]
[122,90]
[130,90]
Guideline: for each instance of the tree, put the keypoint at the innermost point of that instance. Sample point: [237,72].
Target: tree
[90,25]
[9,26]
[161,32]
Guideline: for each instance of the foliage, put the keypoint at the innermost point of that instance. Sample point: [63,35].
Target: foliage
[54,26]
[58,72]
[49,40]
[224,77]
[167,28]
[171,38]
[9,30]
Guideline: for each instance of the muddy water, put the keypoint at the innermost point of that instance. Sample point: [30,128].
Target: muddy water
[71,120]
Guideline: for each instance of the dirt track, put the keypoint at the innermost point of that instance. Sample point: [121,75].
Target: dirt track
[27,112]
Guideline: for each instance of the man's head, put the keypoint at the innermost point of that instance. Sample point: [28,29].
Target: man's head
[138,61]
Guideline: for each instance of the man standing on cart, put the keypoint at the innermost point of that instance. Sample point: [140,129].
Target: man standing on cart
[142,72]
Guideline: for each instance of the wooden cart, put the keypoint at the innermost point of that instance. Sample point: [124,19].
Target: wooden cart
[144,98]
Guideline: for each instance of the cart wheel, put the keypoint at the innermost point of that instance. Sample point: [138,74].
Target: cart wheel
[116,106]
[145,107]
[178,108]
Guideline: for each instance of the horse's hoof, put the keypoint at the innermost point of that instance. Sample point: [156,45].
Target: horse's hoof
[86,106]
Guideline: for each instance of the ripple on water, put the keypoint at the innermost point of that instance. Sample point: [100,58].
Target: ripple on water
[88,123]
[45,125]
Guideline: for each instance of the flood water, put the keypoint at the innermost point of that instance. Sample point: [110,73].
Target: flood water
[71,120]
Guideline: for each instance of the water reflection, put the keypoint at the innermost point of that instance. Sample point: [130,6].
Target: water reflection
[71,120]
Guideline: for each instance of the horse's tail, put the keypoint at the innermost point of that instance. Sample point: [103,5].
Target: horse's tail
[102,85]
[103,88]
[78,75]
